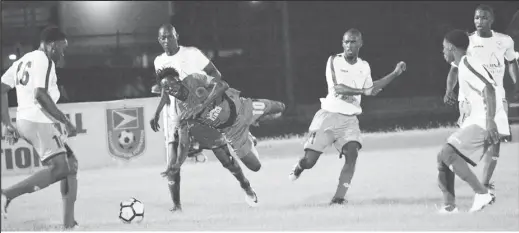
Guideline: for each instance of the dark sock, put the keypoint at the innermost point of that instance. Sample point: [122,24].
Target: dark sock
[69,193]
[490,164]
[446,179]
[174,189]
[35,182]
[345,178]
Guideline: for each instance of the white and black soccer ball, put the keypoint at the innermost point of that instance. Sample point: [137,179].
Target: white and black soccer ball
[131,211]
[126,139]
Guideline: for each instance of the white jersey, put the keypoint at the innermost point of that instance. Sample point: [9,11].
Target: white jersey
[186,61]
[472,86]
[492,53]
[33,70]
[356,76]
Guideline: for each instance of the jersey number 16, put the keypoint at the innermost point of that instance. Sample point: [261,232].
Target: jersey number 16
[22,73]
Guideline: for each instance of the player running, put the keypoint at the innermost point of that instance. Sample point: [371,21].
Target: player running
[481,128]
[209,101]
[336,123]
[38,122]
[491,49]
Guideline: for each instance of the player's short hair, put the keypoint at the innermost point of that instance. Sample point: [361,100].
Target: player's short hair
[354,31]
[52,34]
[165,72]
[486,8]
[458,38]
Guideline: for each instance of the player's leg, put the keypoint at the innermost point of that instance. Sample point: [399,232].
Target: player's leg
[489,165]
[446,180]
[227,160]
[247,152]
[69,187]
[318,139]
[348,143]
[262,108]
[52,154]
[462,148]
[174,180]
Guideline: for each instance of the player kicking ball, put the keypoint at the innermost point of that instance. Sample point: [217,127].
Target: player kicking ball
[348,77]
[484,123]
[205,100]
[38,122]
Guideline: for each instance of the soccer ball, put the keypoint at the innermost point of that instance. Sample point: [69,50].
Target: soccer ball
[126,139]
[131,211]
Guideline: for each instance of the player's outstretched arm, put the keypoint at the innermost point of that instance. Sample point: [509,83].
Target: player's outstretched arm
[489,94]
[164,99]
[452,80]
[342,89]
[6,119]
[383,82]
[513,70]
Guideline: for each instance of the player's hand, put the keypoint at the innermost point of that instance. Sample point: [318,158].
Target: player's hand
[449,98]
[400,68]
[11,134]
[154,123]
[71,129]
[492,133]
[192,113]
[171,171]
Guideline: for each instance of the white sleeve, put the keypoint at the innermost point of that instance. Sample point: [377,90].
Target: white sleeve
[40,70]
[9,77]
[369,81]
[510,53]
[200,61]
[454,65]
[156,64]
[328,74]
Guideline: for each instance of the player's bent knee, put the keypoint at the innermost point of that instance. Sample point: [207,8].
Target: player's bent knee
[351,149]
[59,166]
[251,162]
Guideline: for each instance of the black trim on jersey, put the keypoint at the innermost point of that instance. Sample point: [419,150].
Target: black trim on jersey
[233,115]
[481,77]
[47,77]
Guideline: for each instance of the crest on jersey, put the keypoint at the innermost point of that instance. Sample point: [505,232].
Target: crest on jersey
[126,138]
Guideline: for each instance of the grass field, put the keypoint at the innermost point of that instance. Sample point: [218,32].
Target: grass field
[394,189]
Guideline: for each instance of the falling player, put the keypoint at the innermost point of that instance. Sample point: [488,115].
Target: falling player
[38,118]
[209,101]
[187,60]
[348,78]
[491,49]
[478,131]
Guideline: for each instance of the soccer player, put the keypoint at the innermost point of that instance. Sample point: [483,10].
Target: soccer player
[187,60]
[209,101]
[492,49]
[348,77]
[38,122]
[478,131]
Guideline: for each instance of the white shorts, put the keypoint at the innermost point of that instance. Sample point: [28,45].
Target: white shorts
[46,138]
[329,128]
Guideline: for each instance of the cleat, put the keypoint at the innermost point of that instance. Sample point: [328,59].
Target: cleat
[176,208]
[481,201]
[5,202]
[73,227]
[251,198]
[338,201]
[448,209]
[296,173]
[492,191]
